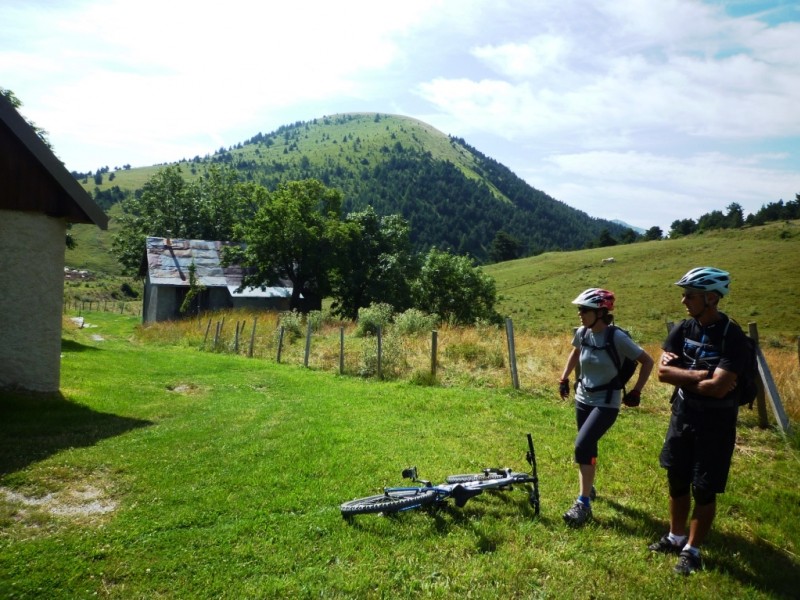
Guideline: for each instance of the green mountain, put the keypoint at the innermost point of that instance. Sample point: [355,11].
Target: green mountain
[453,196]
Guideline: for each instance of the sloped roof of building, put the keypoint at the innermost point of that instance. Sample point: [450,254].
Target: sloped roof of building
[34,179]
[169,262]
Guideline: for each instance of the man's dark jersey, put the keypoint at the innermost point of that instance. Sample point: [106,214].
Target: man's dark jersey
[702,348]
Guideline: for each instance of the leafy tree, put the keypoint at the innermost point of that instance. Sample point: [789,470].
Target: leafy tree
[168,206]
[297,234]
[735,217]
[713,220]
[629,236]
[682,227]
[776,211]
[221,201]
[162,209]
[654,233]
[451,287]
[504,247]
[605,239]
[377,267]
[71,243]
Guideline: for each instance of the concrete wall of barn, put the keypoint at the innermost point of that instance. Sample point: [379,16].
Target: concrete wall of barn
[163,302]
[32,248]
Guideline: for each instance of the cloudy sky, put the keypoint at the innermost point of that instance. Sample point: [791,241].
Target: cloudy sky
[640,110]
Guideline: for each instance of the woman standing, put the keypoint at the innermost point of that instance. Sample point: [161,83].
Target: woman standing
[598,392]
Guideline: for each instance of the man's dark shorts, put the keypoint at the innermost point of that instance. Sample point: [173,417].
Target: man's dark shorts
[699,447]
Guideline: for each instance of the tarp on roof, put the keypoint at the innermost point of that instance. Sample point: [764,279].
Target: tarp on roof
[169,262]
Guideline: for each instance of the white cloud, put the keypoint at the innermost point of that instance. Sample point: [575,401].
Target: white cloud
[530,59]
[677,66]
[645,189]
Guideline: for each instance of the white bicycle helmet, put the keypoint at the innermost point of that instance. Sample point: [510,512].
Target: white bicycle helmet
[596,298]
[707,279]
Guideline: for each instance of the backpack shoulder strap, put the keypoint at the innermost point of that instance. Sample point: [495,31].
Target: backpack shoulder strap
[612,349]
[725,335]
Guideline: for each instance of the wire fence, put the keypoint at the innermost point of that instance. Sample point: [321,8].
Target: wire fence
[122,307]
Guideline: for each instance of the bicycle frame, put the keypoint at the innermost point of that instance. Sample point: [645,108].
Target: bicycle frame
[459,487]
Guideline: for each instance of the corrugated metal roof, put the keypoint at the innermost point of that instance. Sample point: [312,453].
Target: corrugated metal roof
[169,262]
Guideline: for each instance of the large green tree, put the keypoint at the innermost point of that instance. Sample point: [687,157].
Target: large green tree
[297,234]
[681,227]
[605,239]
[654,233]
[504,247]
[378,264]
[734,218]
[169,206]
[451,287]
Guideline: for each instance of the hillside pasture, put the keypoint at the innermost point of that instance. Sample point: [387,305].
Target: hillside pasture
[536,292]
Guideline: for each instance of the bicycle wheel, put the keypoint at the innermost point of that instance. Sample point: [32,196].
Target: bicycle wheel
[467,477]
[389,502]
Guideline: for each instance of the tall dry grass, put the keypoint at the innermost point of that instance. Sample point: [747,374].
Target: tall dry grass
[467,356]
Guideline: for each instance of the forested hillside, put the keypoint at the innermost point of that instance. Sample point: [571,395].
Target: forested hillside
[453,196]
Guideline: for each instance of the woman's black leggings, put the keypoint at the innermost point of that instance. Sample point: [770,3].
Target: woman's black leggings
[593,422]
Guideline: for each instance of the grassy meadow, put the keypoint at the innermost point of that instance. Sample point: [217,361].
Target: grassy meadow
[762,261]
[171,467]
[167,471]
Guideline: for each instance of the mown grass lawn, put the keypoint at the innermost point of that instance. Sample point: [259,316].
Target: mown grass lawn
[165,472]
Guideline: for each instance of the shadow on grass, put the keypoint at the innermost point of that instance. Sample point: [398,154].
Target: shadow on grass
[72,346]
[752,562]
[34,427]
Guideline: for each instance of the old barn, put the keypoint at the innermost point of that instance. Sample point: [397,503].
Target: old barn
[176,268]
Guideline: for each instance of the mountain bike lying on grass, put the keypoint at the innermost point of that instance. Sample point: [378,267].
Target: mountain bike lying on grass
[459,487]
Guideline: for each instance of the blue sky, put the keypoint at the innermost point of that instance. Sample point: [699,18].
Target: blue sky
[636,110]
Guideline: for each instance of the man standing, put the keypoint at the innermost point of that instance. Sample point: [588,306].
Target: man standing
[702,356]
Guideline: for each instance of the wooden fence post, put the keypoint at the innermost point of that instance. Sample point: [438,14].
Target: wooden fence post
[380,352]
[308,343]
[761,403]
[252,338]
[236,339]
[205,337]
[769,384]
[280,344]
[434,350]
[216,335]
[512,355]
[341,350]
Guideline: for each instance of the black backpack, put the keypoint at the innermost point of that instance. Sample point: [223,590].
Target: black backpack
[625,367]
[747,380]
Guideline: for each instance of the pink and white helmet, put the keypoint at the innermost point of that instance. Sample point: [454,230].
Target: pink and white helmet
[596,298]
